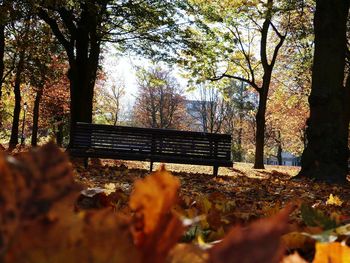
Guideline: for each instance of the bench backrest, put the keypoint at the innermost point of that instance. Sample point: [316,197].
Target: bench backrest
[149,141]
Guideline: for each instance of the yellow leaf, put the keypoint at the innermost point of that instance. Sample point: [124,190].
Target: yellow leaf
[332,253]
[155,228]
[153,196]
[334,200]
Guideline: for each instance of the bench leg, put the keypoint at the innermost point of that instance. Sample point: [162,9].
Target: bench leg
[215,170]
[151,166]
[86,162]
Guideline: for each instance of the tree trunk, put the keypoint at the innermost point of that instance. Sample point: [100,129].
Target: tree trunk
[36,116]
[83,51]
[264,90]
[59,133]
[261,120]
[83,71]
[2,52]
[326,155]
[260,132]
[279,154]
[239,142]
[279,148]
[17,110]
[81,94]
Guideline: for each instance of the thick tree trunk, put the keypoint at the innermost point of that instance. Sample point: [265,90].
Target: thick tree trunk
[81,94]
[17,109]
[326,155]
[36,108]
[83,51]
[83,71]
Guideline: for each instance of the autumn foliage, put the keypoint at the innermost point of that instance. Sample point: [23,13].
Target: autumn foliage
[41,221]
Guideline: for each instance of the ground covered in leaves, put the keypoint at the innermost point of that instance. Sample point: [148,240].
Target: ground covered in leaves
[239,195]
[251,193]
[53,210]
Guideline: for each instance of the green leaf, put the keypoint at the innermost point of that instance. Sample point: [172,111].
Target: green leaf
[314,217]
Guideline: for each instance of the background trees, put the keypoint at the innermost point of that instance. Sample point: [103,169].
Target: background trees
[209,111]
[257,56]
[82,27]
[159,102]
[230,49]
[109,103]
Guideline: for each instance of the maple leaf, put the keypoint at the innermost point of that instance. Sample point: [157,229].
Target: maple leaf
[258,242]
[154,227]
[334,200]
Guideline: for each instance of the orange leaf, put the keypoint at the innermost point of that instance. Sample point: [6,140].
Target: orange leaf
[155,228]
[259,242]
[332,253]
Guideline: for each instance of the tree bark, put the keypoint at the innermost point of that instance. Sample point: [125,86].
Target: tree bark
[279,154]
[59,133]
[326,156]
[37,101]
[260,130]
[2,52]
[83,51]
[17,109]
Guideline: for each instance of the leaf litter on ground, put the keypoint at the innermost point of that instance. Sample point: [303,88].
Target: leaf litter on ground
[130,215]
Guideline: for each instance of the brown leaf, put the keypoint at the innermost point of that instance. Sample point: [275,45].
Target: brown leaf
[49,174]
[64,236]
[259,242]
[12,193]
[40,194]
[155,228]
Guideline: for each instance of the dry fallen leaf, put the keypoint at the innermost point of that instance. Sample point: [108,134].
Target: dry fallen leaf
[38,221]
[334,200]
[155,228]
[259,242]
[332,253]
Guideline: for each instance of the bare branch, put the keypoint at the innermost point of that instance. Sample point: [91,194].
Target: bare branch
[225,75]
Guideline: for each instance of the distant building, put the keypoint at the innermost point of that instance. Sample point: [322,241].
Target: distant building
[288,159]
[194,109]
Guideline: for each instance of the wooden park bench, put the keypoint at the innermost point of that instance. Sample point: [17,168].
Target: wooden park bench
[153,145]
